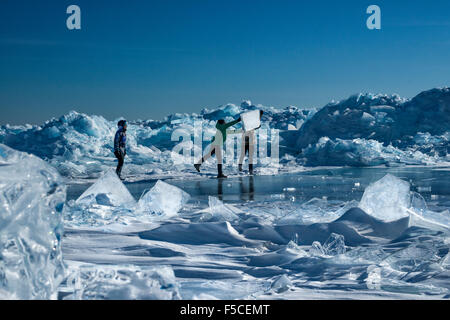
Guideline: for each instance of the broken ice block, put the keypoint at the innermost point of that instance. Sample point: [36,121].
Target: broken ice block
[108,191]
[387,199]
[32,197]
[334,245]
[163,199]
[316,249]
[218,211]
[250,120]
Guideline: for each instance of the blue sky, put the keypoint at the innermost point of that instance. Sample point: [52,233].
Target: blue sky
[147,59]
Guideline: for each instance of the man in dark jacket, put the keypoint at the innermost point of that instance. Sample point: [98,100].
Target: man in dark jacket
[120,141]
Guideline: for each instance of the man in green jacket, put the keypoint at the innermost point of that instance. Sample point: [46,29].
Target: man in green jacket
[217,145]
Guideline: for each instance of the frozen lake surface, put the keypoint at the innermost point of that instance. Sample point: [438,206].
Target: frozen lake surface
[289,236]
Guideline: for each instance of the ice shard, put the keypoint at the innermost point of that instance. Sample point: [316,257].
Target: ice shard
[32,198]
[218,211]
[281,284]
[108,191]
[163,199]
[334,245]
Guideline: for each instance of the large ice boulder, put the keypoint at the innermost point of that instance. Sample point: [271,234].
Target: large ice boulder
[387,199]
[108,191]
[32,198]
[163,199]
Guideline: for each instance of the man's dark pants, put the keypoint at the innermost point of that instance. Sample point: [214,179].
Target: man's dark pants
[120,157]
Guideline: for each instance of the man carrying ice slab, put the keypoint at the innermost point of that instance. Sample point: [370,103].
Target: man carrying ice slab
[217,144]
[250,122]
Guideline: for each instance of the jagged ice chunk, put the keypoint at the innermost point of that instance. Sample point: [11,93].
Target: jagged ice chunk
[32,198]
[108,191]
[163,199]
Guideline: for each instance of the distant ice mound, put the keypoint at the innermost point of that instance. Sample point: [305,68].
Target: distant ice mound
[94,282]
[387,199]
[32,198]
[163,199]
[378,129]
[380,117]
[361,153]
[108,191]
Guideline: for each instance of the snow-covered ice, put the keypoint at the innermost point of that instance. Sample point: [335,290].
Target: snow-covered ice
[236,248]
[122,282]
[376,226]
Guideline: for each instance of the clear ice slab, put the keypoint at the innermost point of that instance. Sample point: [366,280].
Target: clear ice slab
[251,120]
[163,199]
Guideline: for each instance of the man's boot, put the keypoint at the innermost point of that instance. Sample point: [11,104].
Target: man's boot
[250,169]
[220,173]
[197,165]
[240,167]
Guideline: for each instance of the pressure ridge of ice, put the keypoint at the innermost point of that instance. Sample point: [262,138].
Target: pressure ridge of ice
[363,130]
